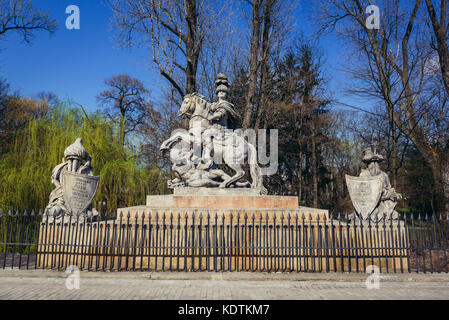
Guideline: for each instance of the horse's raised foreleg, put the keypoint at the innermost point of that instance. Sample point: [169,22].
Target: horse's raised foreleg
[239,173]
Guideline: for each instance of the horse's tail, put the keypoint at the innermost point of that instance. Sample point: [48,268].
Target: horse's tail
[256,173]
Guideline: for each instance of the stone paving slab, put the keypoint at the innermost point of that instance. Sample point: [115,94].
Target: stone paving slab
[51,285]
[130,289]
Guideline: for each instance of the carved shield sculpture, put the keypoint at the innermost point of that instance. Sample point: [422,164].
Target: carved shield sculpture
[365,193]
[79,190]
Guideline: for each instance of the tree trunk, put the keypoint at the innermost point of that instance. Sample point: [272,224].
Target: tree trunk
[439,164]
[439,190]
[264,62]
[263,98]
[253,61]
[122,130]
[300,160]
[445,182]
[440,33]
[314,163]
[440,169]
[192,47]
[394,151]
[191,70]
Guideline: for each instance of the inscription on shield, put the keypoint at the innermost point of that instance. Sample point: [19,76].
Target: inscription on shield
[365,193]
[79,190]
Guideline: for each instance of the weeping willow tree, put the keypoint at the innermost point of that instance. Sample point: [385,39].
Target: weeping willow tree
[25,171]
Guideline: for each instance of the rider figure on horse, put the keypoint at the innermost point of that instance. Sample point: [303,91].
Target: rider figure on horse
[223,116]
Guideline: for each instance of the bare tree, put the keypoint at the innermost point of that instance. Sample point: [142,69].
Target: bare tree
[253,60]
[176,32]
[219,56]
[158,127]
[376,129]
[440,32]
[399,59]
[341,156]
[270,25]
[298,109]
[22,17]
[126,103]
[15,113]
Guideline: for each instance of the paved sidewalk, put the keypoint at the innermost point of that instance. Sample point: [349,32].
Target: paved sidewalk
[50,285]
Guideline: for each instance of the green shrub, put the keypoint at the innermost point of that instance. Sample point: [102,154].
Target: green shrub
[25,171]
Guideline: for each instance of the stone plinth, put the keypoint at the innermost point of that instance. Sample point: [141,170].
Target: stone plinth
[190,191]
[223,203]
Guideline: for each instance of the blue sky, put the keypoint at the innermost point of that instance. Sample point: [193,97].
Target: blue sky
[74,63]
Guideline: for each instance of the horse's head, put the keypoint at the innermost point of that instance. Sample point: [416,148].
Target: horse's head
[179,135]
[190,104]
[178,147]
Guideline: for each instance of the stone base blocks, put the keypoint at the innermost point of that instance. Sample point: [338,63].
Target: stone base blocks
[235,203]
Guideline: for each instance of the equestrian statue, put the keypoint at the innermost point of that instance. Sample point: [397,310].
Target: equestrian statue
[212,143]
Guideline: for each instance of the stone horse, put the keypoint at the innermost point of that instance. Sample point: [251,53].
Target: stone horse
[233,149]
[187,174]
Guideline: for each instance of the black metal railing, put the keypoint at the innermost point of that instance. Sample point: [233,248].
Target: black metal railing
[223,241]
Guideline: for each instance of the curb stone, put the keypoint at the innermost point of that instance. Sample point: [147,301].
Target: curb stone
[227,276]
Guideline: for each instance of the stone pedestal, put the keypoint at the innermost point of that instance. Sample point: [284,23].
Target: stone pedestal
[222,202]
[236,203]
